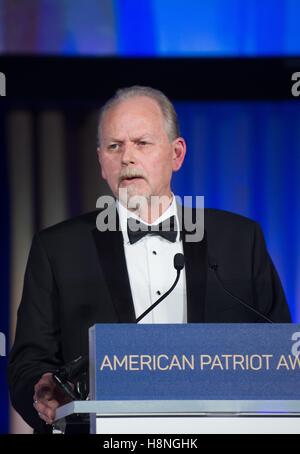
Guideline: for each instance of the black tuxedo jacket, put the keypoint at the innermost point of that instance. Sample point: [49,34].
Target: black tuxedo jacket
[76,276]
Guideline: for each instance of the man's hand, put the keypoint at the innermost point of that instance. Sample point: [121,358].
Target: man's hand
[48,397]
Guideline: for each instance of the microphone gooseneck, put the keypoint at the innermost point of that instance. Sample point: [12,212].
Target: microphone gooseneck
[178,265]
[214,267]
[65,386]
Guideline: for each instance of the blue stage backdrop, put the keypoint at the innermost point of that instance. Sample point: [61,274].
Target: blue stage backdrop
[245,157]
[150,27]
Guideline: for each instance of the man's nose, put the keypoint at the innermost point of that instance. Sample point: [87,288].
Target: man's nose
[128,156]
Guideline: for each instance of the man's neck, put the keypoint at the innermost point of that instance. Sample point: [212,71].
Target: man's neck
[154,208]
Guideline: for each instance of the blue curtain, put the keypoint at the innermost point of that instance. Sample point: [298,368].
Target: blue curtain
[245,157]
[207,28]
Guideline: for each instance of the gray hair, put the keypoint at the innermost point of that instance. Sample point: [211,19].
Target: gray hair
[167,108]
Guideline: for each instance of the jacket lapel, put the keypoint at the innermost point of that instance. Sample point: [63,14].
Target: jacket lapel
[111,255]
[195,254]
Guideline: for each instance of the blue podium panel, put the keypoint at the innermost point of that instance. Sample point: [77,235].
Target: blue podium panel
[195,362]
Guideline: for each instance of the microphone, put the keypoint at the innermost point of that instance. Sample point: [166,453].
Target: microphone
[214,267]
[178,265]
[74,368]
[76,371]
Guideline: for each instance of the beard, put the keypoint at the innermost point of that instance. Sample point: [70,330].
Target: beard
[142,202]
[134,198]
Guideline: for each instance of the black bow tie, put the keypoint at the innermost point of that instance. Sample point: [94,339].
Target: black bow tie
[137,229]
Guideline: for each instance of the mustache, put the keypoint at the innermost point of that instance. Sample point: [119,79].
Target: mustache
[131,172]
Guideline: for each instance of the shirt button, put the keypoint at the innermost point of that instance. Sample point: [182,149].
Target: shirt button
[154,252]
[158,292]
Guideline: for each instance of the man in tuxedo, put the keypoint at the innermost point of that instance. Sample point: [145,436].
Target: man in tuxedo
[79,274]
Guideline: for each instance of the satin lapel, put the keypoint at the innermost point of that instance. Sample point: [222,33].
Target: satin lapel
[195,255]
[113,263]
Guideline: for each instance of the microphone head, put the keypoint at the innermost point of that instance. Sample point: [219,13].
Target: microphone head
[75,368]
[178,261]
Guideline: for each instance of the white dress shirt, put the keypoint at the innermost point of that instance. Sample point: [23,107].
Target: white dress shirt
[151,271]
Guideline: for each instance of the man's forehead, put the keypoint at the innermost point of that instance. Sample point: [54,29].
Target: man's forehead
[134,137]
[137,113]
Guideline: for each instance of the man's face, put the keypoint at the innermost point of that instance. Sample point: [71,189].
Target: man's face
[135,152]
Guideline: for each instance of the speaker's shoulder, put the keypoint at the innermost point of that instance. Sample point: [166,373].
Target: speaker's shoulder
[222,217]
[71,227]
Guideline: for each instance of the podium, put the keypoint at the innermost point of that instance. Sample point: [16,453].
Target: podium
[192,379]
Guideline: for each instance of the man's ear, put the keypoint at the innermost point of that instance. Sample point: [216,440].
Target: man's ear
[179,150]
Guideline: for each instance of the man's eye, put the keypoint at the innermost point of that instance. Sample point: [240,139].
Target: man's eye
[113,146]
[142,142]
